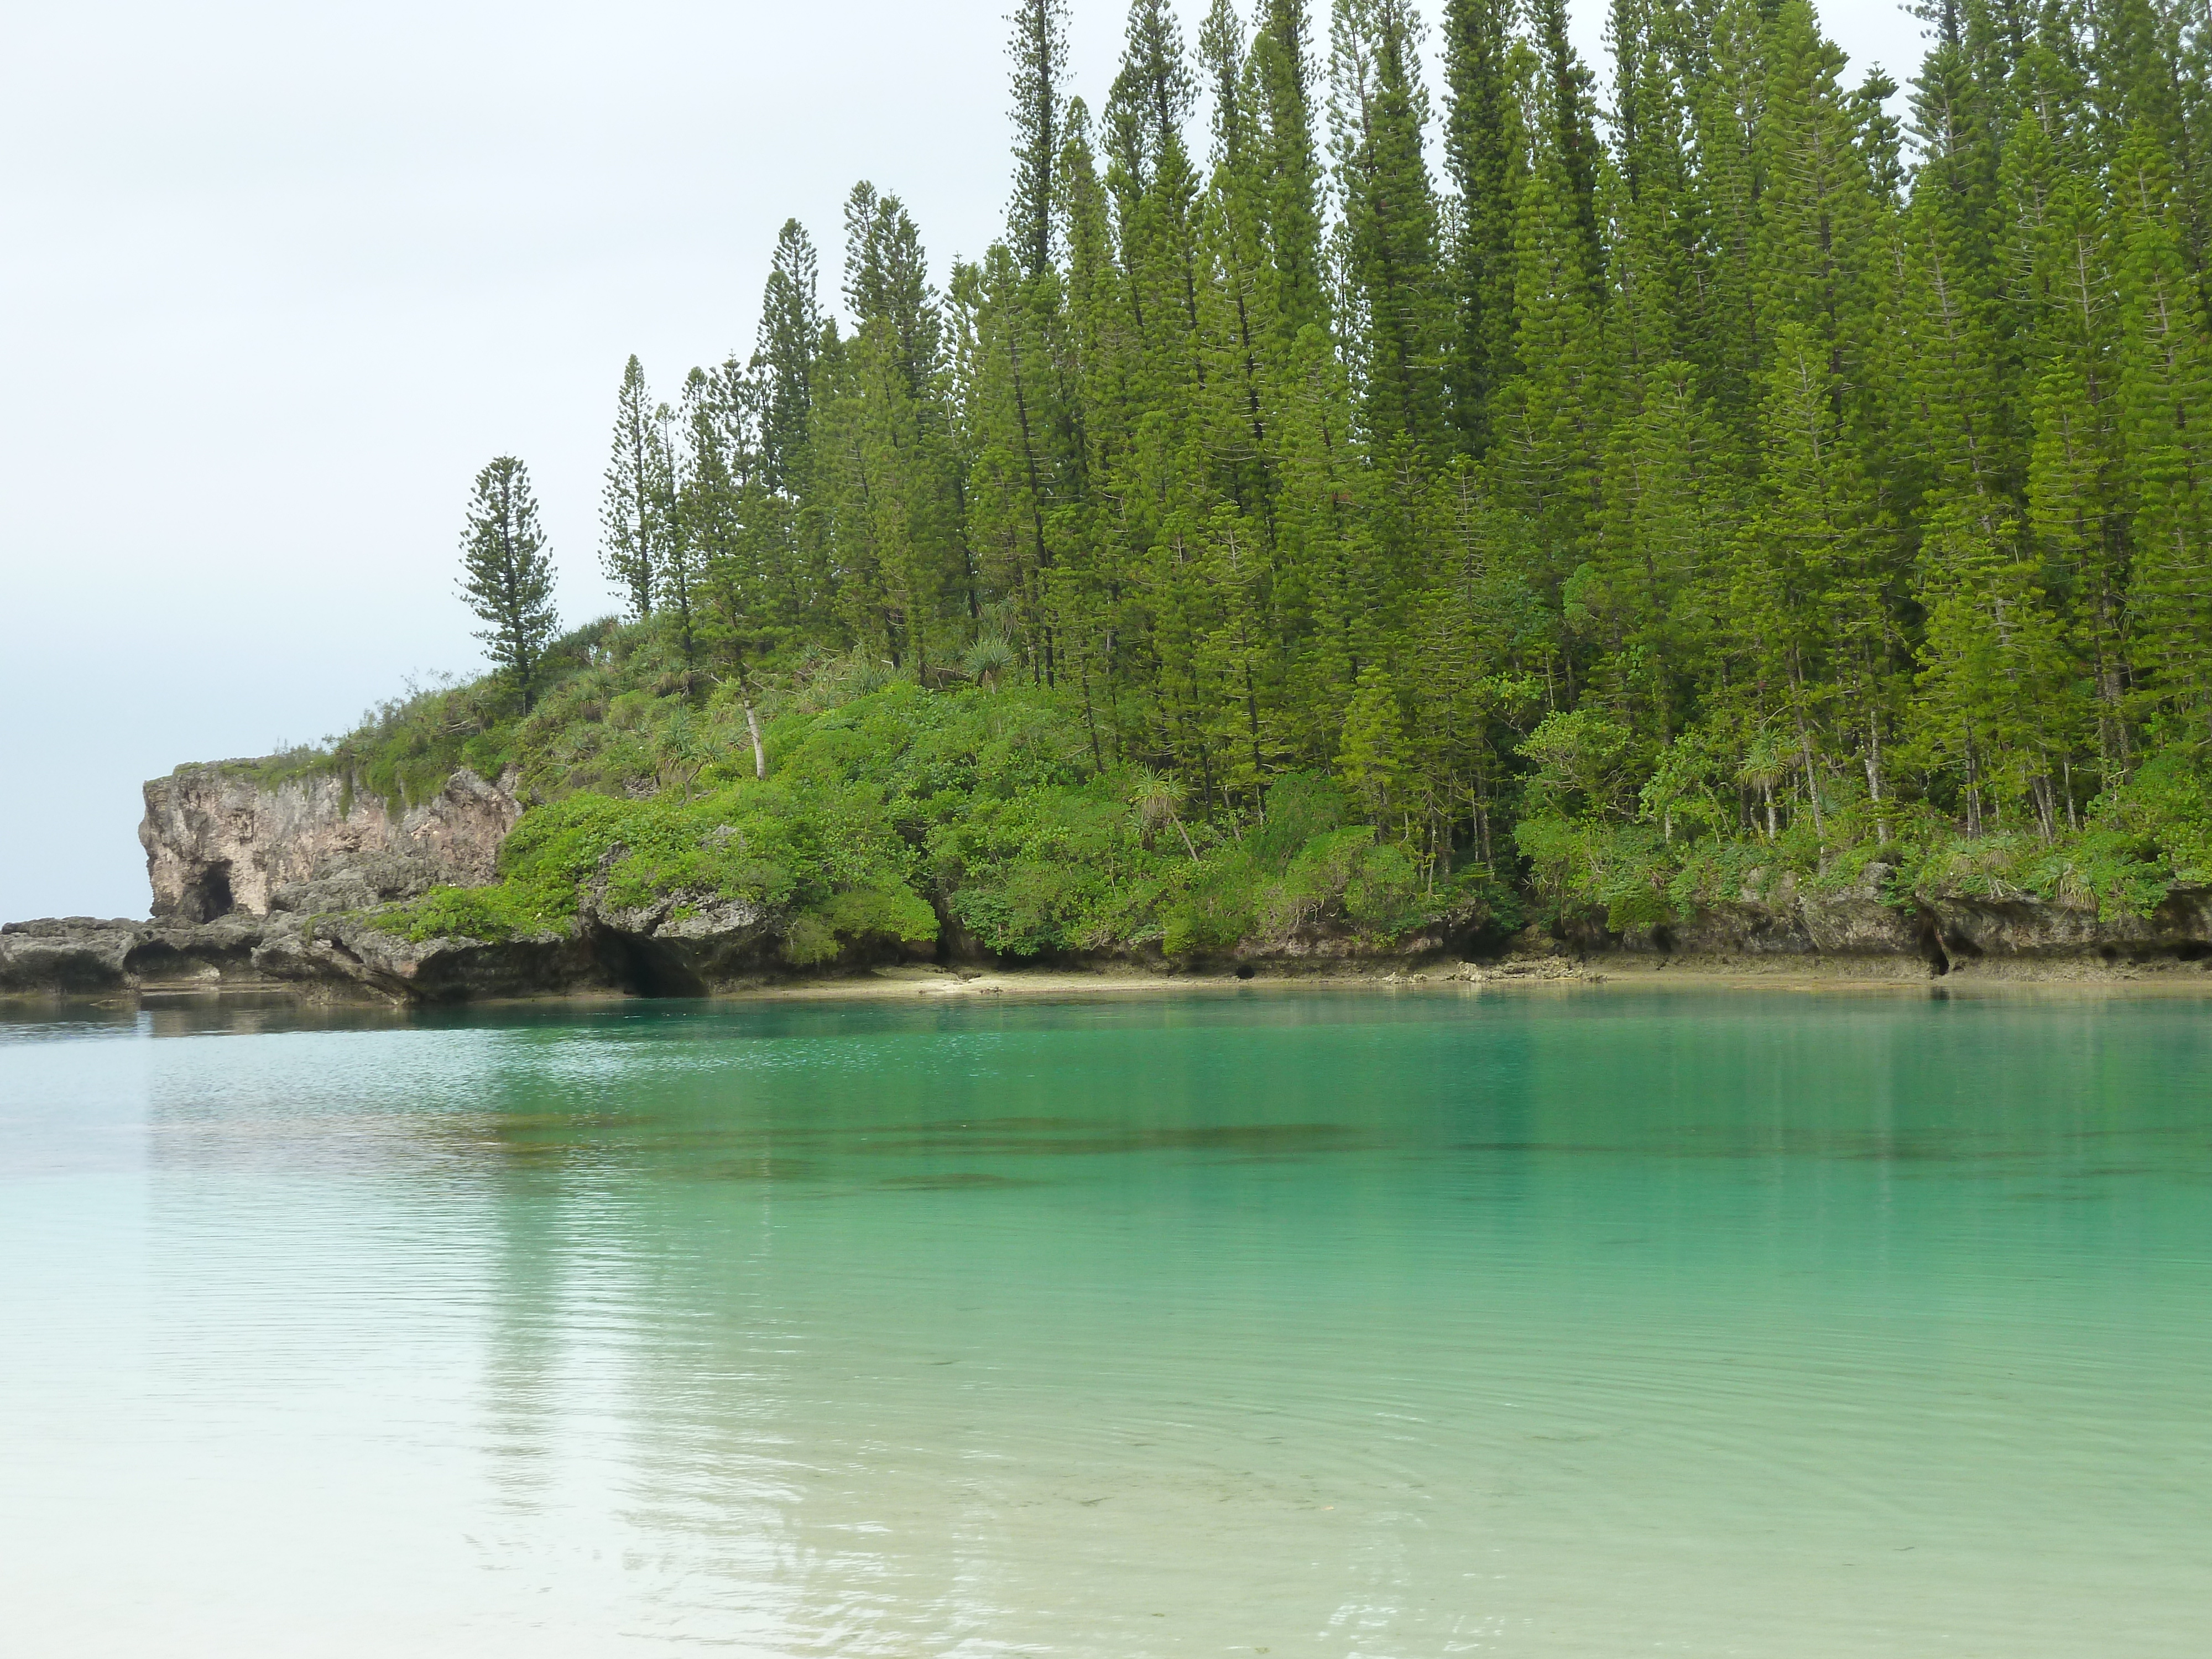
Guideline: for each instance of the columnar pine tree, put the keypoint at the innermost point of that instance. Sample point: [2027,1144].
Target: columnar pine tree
[1282,72]
[1378,112]
[1485,144]
[2166,413]
[506,577]
[635,504]
[790,336]
[1039,51]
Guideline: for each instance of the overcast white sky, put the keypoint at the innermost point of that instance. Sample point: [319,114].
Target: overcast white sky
[276,279]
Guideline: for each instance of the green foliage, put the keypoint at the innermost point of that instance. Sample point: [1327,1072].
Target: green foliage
[896,915]
[1688,501]
[502,911]
[1213,910]
[884,807]
[1373,759]
[1382,892]
[506,577]
[637,504]
[1582,762]
[1301,805]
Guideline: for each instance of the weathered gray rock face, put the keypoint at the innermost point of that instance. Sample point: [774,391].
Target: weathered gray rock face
[1771,918]
[326,956]
[683,945]
[2001,936]
[1327,945]
[82,956]
[1932,932]
[217,840]
[347,955]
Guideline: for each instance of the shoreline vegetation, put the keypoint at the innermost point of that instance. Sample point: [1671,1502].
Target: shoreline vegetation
[890,813]
[967,826]
[905,983]
[1716,520]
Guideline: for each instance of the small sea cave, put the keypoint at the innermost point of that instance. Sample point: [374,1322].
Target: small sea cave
[206,895]
[1929,938]
[643,967]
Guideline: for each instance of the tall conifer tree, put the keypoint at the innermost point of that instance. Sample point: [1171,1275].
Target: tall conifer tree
[1039,51]
[635,500]
[506,577]
[1378,111]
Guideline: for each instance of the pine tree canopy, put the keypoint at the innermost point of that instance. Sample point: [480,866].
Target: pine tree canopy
[1703,464]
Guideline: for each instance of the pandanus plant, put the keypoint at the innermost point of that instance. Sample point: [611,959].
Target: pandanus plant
[1158,799]
[1765,765]
[987,659]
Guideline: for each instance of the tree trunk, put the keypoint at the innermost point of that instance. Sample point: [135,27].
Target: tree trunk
[760,750]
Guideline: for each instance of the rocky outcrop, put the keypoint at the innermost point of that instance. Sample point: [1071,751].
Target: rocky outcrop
[264,885]
[2025,934]
[681,945]
[219,838]
[326,956]
[82,956]
[1329,945]
[685,944]
[1774,922]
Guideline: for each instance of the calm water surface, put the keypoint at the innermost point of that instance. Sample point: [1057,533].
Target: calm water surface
[1602,1323]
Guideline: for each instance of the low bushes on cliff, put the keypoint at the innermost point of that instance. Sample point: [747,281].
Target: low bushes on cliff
[1660,852]
[884,805]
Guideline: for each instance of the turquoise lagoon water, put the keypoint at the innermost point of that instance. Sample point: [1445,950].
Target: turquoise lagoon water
[1608,1323]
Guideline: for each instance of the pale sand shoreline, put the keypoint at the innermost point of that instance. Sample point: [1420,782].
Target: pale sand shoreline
[1562,974]
[1552,974]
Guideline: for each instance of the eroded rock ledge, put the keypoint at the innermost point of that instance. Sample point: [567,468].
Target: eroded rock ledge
[705,946]
[1774,924]
[262,885]
[327,955]
[684,945]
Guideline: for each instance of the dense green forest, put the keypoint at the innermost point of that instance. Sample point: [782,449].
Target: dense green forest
[1704,470]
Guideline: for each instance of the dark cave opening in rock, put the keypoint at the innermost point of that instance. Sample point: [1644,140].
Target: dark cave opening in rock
[208,896]
[644,968]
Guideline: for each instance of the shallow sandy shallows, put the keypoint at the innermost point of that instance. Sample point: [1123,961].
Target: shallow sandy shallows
[2071,979]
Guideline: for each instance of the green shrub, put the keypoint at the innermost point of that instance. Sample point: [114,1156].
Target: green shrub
[1383,893]
[896,914]
[810,940]
[1212,910]
[1300,807]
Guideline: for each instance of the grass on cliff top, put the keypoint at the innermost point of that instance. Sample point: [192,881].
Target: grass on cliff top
[889,808]
[985,807]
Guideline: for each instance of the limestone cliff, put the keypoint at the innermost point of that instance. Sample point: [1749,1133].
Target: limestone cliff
[220,838]
[259,883]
